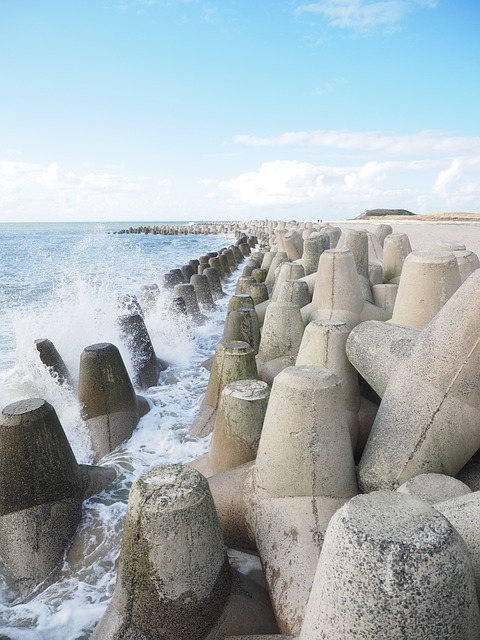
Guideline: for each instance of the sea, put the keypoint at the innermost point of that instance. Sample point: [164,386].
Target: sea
[63,282]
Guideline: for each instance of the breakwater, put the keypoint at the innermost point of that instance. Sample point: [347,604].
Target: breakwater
[342,484]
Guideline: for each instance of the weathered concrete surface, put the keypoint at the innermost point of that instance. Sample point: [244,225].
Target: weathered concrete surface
[429,416]
[434,487]
[174,580]
[464,514]
[107,397]
[232,361]
[428,280]
[378,349]
[42,491]
[392,566]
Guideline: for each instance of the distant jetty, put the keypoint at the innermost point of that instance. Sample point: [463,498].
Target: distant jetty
[183,229]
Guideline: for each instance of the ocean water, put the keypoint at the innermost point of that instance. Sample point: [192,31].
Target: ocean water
[62,282]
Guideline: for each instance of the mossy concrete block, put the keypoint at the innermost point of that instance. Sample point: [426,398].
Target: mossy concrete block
[239,423]
[233,361]
[173,577]
[107,397]
[42,491]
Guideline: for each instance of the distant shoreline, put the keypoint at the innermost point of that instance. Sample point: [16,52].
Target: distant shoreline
[435,218]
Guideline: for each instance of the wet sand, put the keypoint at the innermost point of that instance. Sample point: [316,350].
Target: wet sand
[424,235]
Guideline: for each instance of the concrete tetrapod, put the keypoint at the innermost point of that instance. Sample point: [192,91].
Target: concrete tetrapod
[295,291]
[384,296]
[232,361]
[313,247]
[42,491]
[464,514]
[288,271]
[467,263]
[174,581]
[238,426]
[333,233]
[375,274]
[392,566]
[187,292]
[278,259]
[356,241]
[242,284]
[434,487]
[50,357]
[396,248]
[375,250]
[378,349]
[107,397]
[428,280]
[214,282]
[428,419]
[260,274]
[281,337]
[134,334]
[382,231]
[323,345]
[242,325]
[337,294]
[202,291]
[304,471]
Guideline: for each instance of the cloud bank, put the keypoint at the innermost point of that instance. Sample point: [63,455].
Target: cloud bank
[286,175]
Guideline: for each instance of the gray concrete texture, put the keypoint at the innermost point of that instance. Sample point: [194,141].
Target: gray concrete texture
[233,361]
[392,566]
[42,491]
[429,415]
[107,397]
[174,579]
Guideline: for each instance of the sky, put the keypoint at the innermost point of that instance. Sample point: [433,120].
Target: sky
[155,110]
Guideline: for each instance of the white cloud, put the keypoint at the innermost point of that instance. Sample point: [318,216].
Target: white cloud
[278,182]
[347,191]
[362,15]
[22,184]
[446,176]
[460,178]
[421,143]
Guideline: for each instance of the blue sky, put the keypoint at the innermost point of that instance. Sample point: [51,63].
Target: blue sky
[234,109]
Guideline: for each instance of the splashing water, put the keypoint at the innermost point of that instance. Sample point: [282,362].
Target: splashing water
[63,282]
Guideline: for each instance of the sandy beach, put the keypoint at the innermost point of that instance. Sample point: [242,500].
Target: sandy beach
[424,235]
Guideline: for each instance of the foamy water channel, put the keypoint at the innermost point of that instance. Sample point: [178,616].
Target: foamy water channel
[62,282]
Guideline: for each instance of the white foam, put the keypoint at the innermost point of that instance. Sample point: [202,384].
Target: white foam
[81,310]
